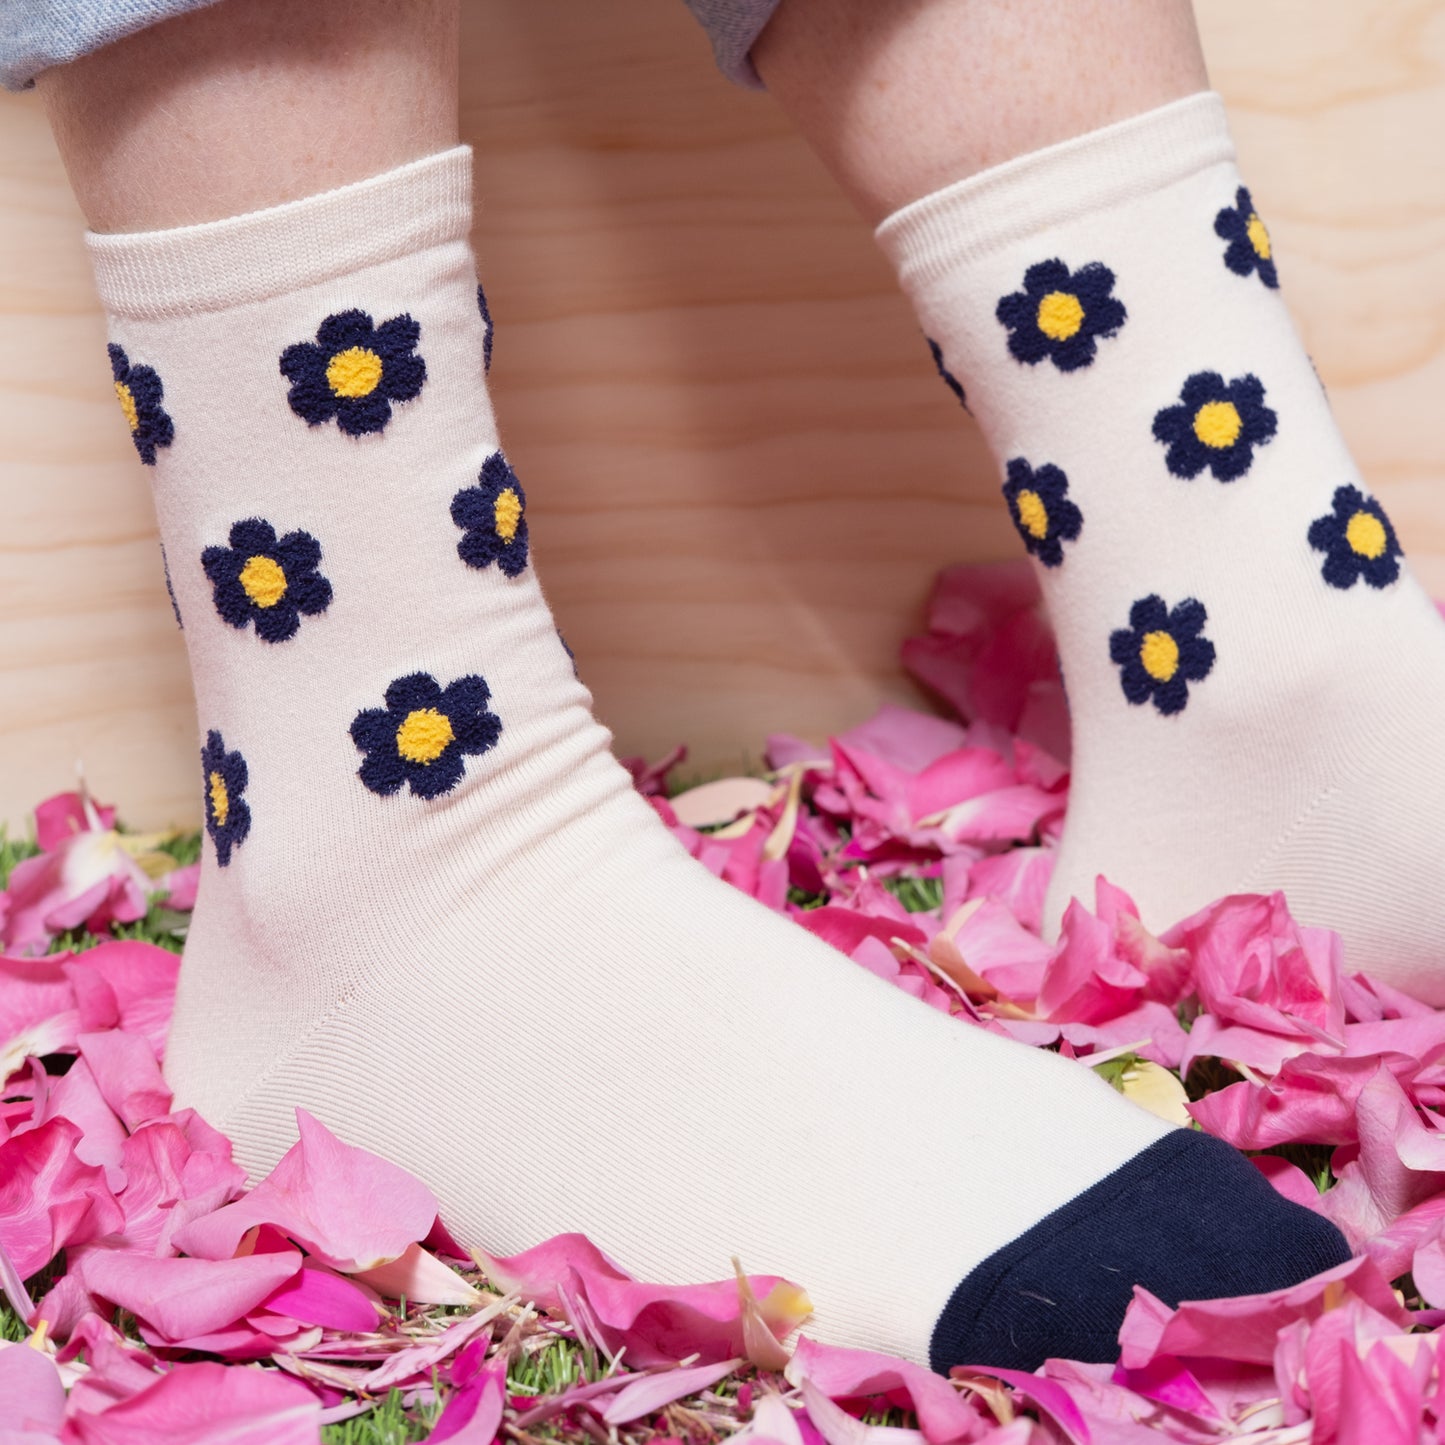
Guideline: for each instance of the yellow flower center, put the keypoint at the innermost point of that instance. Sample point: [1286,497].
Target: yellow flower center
[1217,424]
[1033,514]
[1258,236]
[354,372]
[127,405]
[220,800]
[263,581]
[1160,656]
[508,514]
[1060,315]
[1366,535]
[424,736]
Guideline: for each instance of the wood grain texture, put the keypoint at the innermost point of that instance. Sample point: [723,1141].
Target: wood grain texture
[743,470]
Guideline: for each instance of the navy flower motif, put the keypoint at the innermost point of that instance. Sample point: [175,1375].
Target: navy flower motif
[1042,512]
[1061,314]
[1357,540]
[487,341]
[949,379]
[493,518]
[267,580]
[1161,652]
[1217,425]
[1249,248]
[423,734]
[139,391]
[354,371]
[228,816]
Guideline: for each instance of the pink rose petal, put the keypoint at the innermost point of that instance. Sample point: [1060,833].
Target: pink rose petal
[658,1324]
[1246,1329]
[38,1012]
[943,1414]
[126,984]
[49,1198]
[473,1413]
[420,1278]
[183,1298]
[346,1206]
[32,1396]
[649,1393]
[208,1404]
[317,1296]
[76,1096]
[127,1074]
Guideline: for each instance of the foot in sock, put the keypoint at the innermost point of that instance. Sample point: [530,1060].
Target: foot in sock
[1255,679]
[435,913]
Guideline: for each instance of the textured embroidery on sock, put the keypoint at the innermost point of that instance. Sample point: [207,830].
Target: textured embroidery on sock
[423,734]
[268,581]
[1161,652]
[139,391]
[170,590]
[1041,510]
[949,379]
[228,816]
[493,518]
[1061,314]
[1249,248]
[354,371]
[487,341]
[1357,540]
[1217,425]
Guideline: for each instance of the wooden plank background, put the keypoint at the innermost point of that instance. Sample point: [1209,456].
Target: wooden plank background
[744,472]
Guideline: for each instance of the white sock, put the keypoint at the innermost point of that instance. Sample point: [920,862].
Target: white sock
[434,911]
[1110,307]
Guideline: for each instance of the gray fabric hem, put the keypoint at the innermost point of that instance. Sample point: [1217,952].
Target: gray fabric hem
[733,26]
[37,34]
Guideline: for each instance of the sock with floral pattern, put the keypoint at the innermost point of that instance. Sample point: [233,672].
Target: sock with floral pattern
[1254,677]
[437,915]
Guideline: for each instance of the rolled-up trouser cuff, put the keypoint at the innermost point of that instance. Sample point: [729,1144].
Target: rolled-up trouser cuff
[36,34]
[733,26]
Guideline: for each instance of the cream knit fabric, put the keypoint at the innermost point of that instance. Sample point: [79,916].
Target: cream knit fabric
[1257,683]
[433,910]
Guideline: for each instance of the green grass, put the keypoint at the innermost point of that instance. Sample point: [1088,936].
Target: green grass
[13,851]
[388,1424]
[917,895]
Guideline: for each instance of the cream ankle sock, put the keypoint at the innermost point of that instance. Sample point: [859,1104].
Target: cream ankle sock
[435,913]
[1256,681]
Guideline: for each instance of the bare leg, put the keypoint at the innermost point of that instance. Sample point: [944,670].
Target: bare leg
[903,97]
[252,103]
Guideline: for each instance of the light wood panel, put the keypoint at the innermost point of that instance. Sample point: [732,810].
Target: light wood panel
[743,470]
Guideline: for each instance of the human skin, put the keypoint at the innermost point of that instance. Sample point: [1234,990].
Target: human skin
[902,97]
[251,103]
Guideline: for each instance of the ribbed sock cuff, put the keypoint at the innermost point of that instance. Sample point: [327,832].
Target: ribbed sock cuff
[965,221]
[149,275]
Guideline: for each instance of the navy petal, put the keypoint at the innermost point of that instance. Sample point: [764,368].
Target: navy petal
[296,552]
[252,535]
[431,780]
[345,329]
[415,690]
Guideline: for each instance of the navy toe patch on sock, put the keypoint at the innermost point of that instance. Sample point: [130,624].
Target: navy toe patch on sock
[1188,1218]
